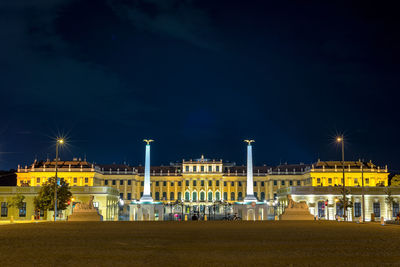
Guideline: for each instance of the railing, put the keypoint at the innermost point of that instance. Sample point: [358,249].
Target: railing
[317,190]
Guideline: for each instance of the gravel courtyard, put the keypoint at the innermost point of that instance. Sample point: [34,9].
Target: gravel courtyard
[199,243]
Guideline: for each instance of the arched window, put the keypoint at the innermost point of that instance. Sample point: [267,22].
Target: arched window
[240,196]
[232,195]
[187,196]
[210,196]
[157,195]
[194,196]
[225,195]
[262,196]
[217,196]
[179,195]
[202,196]
[171,196]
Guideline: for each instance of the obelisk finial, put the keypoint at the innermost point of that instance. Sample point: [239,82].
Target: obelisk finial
[148,141]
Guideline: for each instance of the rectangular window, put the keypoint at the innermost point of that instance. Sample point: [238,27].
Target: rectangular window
[357,209]
[262,183]
[202,168]
[121,195]
[22,211]
[202,182]
[255,183]
[225,195]
[210,183]
[105,182]
[113,182]
[86,180]
[355,181]
[318,180]
[142,183]
[195,168]
[129,196]
[216,183]
[38,180]
[239,183]
[255,194]
[164,183]
[282,182]
[217,168]
[329,180]
[187,183]
[377,209]
[367,181]
[298,183]
[121,182]
[209,168]
[232,183]
[4,209]
[179,183]
[275,182]
[187,168]
[129,182]
[224,185]
[194,183]
[290,182]
[172,183]
[164,195]
[157,183]
[75,181]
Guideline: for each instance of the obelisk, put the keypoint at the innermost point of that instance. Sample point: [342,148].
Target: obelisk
[146,189]
[249,190]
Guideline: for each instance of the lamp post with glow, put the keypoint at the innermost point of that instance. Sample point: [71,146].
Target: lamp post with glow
[60,141]
[340,139]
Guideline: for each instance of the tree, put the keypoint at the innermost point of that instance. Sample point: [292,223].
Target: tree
[389,200]
[45,199]
[346,201]
[17,201]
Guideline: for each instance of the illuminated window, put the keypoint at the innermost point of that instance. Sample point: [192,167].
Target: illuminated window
[4,209]
[377,209]
[22,210]
[357,209]
[395,209]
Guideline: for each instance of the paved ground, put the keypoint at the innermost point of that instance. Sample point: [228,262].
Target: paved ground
[199,243]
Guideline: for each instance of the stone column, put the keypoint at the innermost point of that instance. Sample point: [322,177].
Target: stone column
[146,189]
[249,186]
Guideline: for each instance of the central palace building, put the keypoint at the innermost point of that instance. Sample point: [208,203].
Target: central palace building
[203,180]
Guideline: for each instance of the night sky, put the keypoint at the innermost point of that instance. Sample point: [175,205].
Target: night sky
[199,77]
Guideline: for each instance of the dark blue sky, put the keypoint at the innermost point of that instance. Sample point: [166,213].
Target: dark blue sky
[199,77]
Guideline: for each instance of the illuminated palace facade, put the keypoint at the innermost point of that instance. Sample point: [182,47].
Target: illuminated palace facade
[203,181]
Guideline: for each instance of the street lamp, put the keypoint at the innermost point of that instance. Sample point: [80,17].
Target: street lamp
[59,142]
[340,139]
